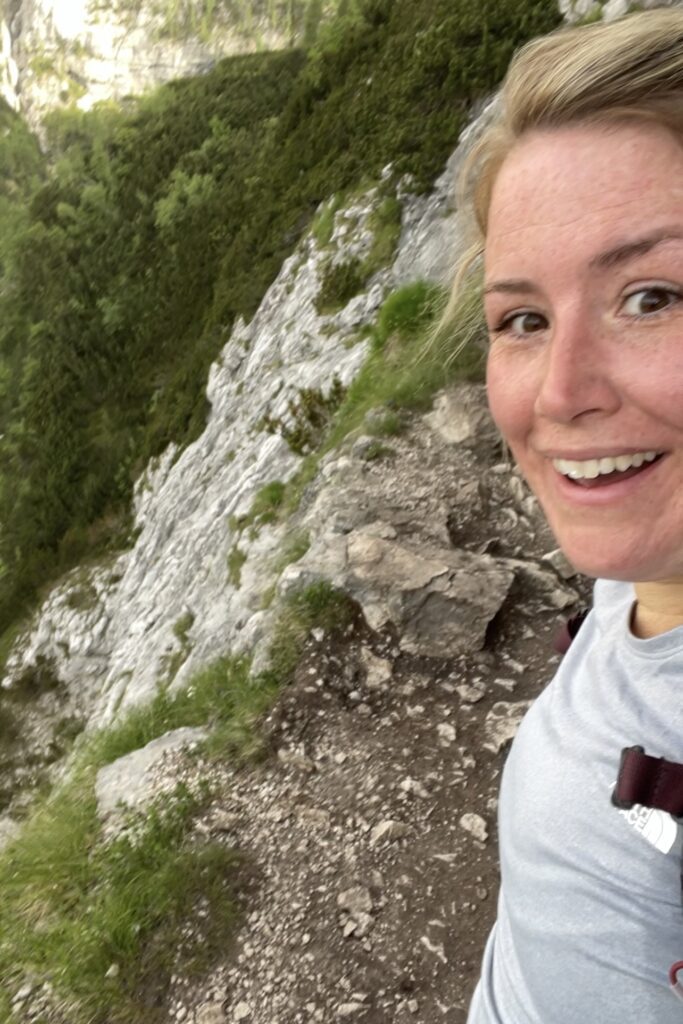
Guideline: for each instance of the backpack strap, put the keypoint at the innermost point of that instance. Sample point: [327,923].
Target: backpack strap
[568,630]
[651,781]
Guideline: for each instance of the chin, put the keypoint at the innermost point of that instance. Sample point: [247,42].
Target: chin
[603,563]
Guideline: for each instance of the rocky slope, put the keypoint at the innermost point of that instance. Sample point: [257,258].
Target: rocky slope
[55,53]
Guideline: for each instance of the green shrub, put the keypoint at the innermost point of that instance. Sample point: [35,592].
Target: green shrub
[236,559]
[267,502]
[388,423]
[318,605]
[377,450]
[310,414]
[323,225]
[182,627]
[386,226]
[293,549]
[340,282]
[408,312]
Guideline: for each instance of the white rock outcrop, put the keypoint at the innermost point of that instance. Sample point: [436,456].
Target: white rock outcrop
[166,607]
[55,53]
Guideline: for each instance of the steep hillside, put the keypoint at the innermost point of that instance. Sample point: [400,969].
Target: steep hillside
[157,229]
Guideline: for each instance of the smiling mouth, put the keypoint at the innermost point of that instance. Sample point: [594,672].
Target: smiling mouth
[603,472]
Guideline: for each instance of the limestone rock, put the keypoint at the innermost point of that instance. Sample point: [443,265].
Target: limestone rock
[502,722]
[475,825]
[560,563]
[461,416]
[378,670]
[356,900]
[127,780]
[388,830]
[440,601]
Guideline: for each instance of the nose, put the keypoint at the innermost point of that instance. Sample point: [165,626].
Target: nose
[576,374]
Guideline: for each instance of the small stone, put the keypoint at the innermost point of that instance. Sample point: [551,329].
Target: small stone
[295,759]
[364,447]
[561,599]
[389,829]
[113,971]
[224,821]
[517,489]
[475,825]
[315,816]
[378,670]
[364,924]
[413,1005]
[471,694]
[356,900]
[506,684]
[434,947]
[23,993]
[447,733]
[211,1013]
[414,787]
[349,1009]
[516,666]
[502,723]
[242,1011]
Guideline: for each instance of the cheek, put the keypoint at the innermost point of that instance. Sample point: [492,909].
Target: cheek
[511,400]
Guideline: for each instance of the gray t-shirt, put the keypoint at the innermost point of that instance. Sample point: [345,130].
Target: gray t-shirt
[589,914]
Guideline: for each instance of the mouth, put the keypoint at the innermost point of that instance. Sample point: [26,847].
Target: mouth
[595,473]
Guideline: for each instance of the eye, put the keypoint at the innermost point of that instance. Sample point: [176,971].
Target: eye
[647,301]
[521,324]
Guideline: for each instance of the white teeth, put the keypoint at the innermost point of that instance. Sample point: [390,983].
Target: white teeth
[589,469]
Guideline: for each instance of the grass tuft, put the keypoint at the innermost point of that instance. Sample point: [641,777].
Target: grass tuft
[236,559]
[318,605]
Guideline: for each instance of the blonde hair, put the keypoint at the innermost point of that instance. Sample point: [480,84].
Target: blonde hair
[630,69]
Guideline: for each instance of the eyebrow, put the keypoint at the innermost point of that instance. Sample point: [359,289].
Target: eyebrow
[621,253]
[629,250]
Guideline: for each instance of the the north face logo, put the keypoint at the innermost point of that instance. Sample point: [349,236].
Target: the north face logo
[657,827]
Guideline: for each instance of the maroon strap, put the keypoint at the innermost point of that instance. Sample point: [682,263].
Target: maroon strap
[651,781]
[568,630]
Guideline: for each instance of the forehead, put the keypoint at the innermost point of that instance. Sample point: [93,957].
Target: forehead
[563,194]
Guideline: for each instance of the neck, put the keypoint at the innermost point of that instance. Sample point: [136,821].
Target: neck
[659,608]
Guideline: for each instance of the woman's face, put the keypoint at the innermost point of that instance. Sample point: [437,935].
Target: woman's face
[584,303]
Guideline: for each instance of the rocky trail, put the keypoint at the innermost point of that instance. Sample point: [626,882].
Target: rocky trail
[368,834]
